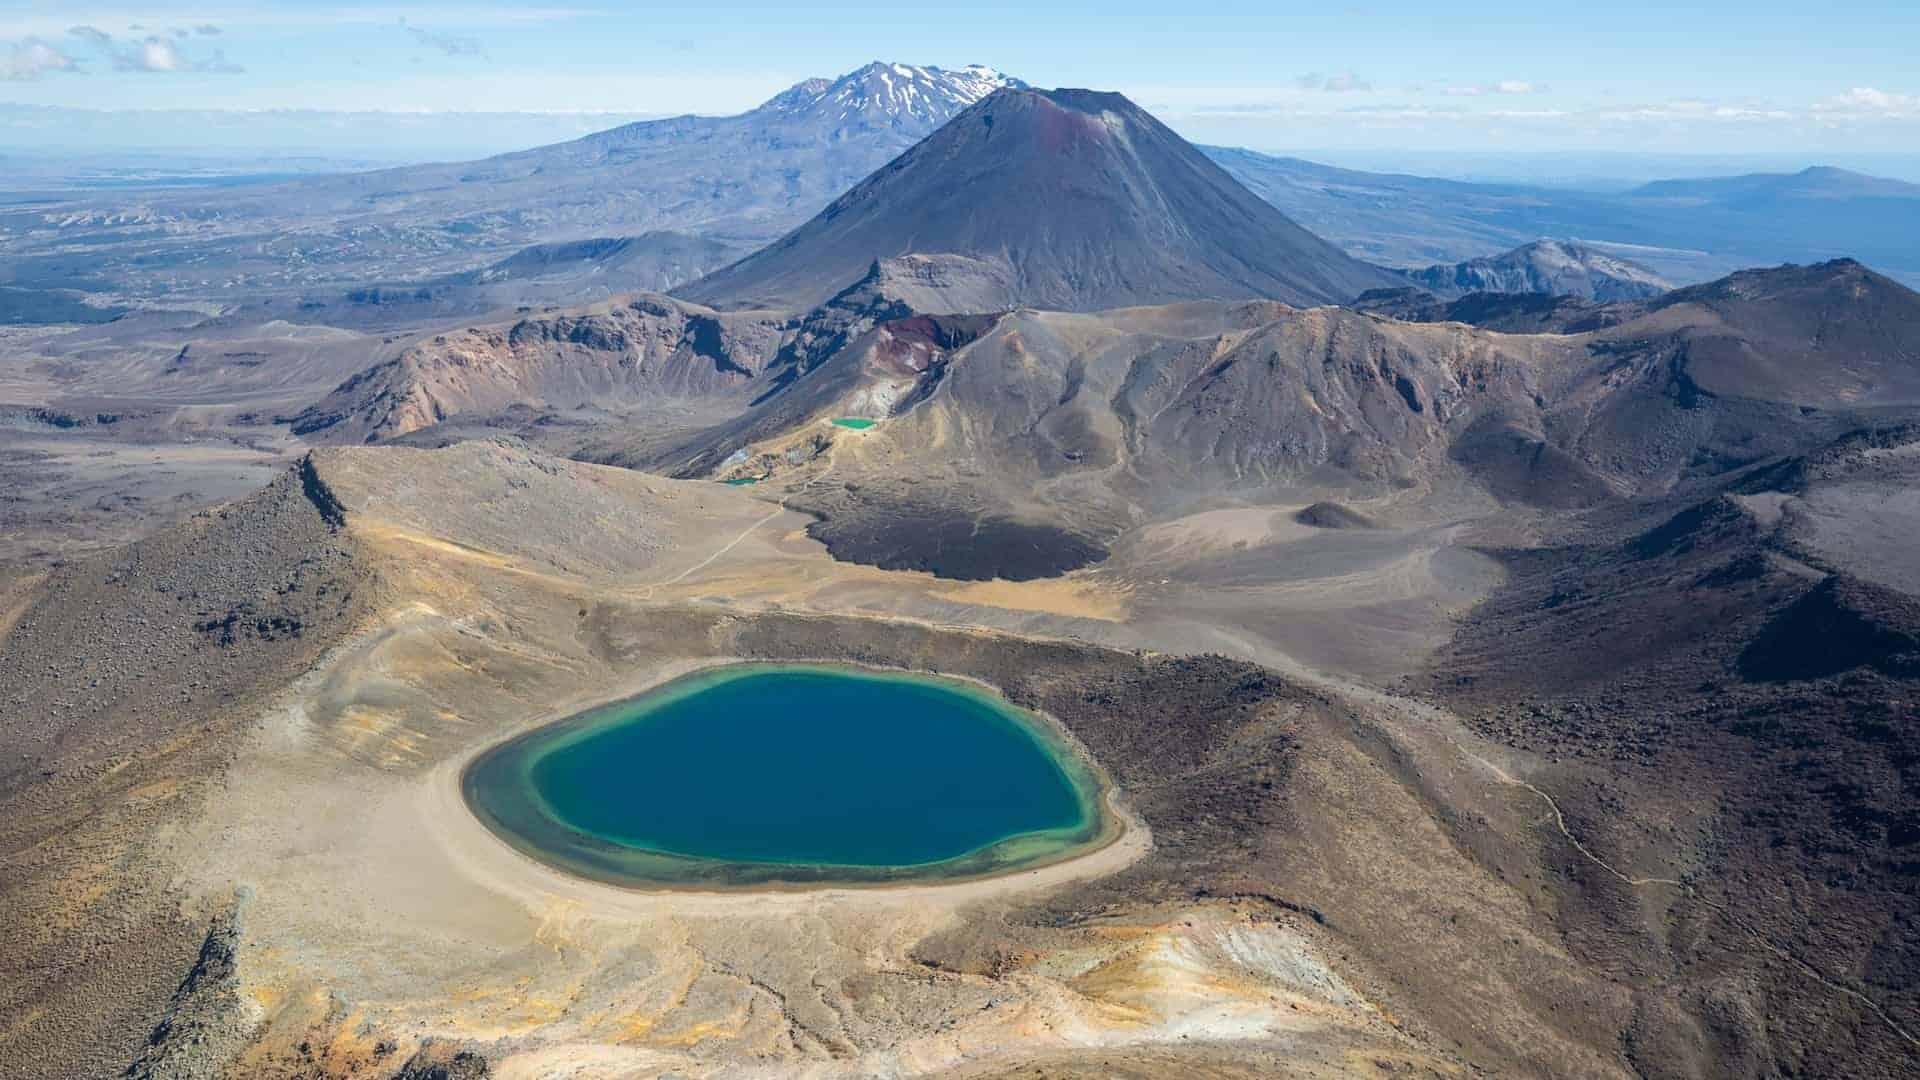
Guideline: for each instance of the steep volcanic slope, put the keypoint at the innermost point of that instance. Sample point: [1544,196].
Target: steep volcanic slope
[1718,376]
[1554,267]
[1089,202]
[1829,336]
[1672,392]
[1728,700]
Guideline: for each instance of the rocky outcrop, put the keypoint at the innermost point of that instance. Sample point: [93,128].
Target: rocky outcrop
[641,349]
[437,1061]
[1840,625]
[206,1024]
[1333,515]
[938,283]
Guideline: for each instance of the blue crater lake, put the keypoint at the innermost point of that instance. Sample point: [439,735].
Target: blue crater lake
[758,773]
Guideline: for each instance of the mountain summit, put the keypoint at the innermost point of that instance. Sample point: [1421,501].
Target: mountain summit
[878,107]
[1087,200]
[882,95]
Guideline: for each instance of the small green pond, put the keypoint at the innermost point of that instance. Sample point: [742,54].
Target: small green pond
[741,481]
[856,423]
[758,773]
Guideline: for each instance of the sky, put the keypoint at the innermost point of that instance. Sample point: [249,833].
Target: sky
[1378,78]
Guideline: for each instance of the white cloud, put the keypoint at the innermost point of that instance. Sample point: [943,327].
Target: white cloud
[1338,83]
[1502,86]
[32,58]
[1866,102]
[1527,114]
[1691,109]
[152,53]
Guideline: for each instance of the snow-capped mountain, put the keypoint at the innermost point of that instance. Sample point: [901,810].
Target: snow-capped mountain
[891,95]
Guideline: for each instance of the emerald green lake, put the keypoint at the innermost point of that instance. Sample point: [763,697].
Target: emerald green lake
[760,773]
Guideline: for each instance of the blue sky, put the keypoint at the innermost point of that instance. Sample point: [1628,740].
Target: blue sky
[1380,75]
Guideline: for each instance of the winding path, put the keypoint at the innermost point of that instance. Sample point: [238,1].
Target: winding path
[778,509]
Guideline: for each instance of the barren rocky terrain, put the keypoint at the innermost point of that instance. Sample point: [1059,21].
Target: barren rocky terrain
[1316,871]
[1488,685]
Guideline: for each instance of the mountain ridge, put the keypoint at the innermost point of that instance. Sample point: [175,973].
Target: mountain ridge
[1813,181]
[1688,231]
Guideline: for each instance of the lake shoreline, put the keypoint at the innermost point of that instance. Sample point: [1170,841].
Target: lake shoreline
[562,848]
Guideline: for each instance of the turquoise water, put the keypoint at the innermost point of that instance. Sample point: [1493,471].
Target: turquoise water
[757,773]
[856,423]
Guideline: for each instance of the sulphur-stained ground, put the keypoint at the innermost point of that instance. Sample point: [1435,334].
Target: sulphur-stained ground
[240,848]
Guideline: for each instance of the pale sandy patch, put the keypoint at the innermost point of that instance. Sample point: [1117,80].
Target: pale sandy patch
[1071,597]
[1212,530]
[16,598]
[389,536]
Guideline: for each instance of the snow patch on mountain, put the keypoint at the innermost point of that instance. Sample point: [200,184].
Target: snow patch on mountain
[892,95]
